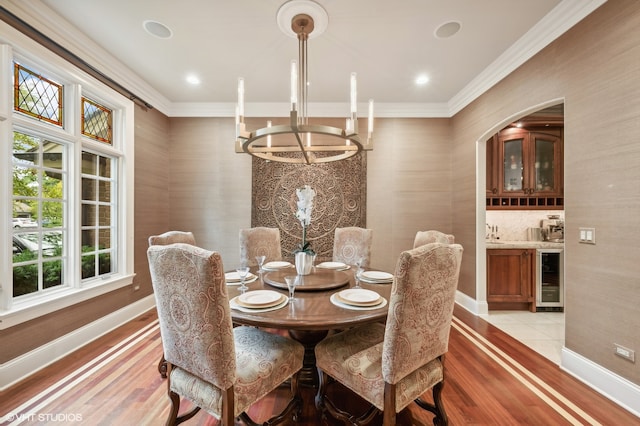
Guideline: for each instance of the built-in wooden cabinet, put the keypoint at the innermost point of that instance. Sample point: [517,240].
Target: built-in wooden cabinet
[525,169]
[511,279]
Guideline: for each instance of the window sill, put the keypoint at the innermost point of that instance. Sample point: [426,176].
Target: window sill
[37,307]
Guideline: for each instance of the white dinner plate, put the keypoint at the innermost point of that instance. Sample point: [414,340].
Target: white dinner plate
[260,299]
[376,276]
[335,299]
[233,303]
[246,281]
[275,265]
[231,277]
[333,265]
[359,297]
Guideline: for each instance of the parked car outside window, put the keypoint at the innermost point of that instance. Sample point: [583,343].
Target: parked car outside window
[24,222]
[29,243]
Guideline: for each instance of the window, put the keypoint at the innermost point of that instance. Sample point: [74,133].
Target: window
[67,186]
[37,96]
[96,121]
[39,173]
[97,214]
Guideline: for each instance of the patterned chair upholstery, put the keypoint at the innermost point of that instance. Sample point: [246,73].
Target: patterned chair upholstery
[259,241]
[391,366]
[170,237]
[351,244]
[427,237]
[219,368]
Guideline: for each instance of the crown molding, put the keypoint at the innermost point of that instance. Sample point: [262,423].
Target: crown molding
[45,20]
[564,16]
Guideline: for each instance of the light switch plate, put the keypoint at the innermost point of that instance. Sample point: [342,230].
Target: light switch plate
[587,235]
[625,353]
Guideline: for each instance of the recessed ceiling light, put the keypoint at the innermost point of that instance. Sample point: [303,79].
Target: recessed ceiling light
[157,29]
[447,29]
[422,79]
[193,79]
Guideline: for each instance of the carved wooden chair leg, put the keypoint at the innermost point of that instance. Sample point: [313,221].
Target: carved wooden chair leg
[441,414]
[294,408]
[175,407]
[162,367]
[437,408]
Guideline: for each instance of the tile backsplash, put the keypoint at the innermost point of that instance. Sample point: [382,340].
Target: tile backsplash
[512,225]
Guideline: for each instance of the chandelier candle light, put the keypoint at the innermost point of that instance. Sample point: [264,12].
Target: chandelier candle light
[304,254]
[331,143]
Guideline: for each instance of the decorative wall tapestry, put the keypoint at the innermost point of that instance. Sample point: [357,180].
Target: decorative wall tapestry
[341,200]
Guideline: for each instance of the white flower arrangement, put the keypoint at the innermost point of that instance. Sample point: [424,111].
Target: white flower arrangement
[303,214]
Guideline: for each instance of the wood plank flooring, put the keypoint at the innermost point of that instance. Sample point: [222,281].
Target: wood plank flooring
[491,379]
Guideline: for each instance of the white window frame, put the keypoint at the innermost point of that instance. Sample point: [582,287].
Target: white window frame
[16,46]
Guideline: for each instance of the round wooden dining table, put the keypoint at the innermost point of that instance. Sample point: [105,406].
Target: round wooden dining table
[311,315]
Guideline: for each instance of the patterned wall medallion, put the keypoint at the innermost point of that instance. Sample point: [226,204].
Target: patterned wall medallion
[341,189]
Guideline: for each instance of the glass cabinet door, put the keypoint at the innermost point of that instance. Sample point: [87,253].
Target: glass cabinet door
[546,156]
[525,169]
[512,168]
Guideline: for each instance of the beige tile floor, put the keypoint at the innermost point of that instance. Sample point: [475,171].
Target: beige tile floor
[541,331]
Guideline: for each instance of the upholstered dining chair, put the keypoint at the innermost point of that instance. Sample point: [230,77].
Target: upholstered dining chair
[432,236]
[170,237]
[217,367]
[351,244]
[391,366]
[259,241]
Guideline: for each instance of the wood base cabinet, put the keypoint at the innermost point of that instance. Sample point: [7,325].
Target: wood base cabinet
[511,279]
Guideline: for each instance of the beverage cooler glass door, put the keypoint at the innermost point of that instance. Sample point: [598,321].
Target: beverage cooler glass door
[550,279]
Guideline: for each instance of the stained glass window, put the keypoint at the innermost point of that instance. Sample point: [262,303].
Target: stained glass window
[96,121]
[37,96]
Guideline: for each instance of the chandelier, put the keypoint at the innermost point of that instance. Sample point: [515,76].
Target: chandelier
[299,141]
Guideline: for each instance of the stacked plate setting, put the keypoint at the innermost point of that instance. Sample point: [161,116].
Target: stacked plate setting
[358,298]
[336,266]
[276,265]
[376,277]
[259,301]
[232,278]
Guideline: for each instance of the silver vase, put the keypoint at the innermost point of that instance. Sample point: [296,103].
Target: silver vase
[304,263]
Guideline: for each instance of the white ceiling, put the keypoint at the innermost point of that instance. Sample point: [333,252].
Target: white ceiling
[387,43]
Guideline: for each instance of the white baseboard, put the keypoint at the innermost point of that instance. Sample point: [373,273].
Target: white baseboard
[27,364]
[616,388]
[471,304]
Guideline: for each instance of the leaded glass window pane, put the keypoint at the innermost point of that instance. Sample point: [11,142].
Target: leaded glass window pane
[96,121]
[37,96]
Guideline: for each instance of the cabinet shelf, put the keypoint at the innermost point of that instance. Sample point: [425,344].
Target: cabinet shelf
[528,203]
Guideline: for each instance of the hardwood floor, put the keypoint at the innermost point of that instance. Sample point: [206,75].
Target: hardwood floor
[491,379]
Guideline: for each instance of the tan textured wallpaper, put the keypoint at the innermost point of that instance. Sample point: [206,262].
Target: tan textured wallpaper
[594,69]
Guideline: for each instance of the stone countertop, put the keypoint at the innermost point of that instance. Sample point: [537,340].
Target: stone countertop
[500,244]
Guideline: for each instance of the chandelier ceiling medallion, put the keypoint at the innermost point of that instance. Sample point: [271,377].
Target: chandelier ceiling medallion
[299,141]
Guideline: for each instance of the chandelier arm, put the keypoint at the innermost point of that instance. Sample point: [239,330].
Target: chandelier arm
[301,145]
[302,25]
